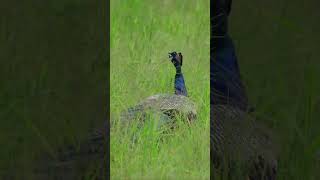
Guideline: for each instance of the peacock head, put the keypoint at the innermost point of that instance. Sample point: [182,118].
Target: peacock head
[176,58]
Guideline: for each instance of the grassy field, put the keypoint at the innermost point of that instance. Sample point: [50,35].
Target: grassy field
[277,45]
[142,33]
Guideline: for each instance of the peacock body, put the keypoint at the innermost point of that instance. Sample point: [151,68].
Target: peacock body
[169,106]
[237,138]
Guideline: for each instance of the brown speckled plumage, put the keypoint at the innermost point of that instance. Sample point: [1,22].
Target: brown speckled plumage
[170,105]
[238,137]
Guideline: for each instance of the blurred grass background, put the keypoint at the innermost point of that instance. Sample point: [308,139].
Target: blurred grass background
[277,43]
[142,34]
[53,76]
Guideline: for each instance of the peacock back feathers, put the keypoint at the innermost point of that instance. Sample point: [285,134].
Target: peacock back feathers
[236,137]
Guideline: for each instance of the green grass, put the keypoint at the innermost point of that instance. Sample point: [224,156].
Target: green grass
[142,33]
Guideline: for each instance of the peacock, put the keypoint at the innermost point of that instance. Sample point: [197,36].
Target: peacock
[240,141]
[242,146]
[238,138]
[168,106]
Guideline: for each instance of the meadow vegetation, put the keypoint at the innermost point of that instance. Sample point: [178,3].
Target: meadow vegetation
[142,34]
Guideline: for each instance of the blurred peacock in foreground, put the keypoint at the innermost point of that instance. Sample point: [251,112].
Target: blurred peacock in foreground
[71,161]
[241,146]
